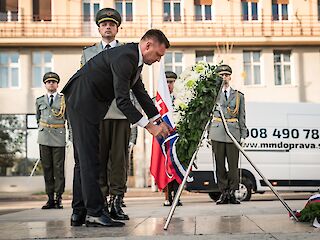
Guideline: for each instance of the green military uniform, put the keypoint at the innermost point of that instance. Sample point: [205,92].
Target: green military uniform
[114,131]
[52,140]
[234,111]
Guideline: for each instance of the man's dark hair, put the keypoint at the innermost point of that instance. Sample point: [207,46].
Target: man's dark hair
[157,35]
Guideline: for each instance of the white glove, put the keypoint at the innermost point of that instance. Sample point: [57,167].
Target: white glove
[242,141]
[131,144]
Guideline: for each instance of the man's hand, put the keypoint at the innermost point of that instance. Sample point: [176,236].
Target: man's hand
[162,130]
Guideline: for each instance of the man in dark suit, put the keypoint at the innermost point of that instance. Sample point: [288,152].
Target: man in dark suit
[107,76]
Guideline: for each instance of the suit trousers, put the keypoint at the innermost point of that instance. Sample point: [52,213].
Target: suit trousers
[114,141]
[223,150]
[52,160]
[87,195]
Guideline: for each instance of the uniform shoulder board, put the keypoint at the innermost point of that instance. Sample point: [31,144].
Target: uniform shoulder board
[40,96]
[84,48]
[240,92]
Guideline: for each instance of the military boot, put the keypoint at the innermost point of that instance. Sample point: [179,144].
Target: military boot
[50,203]
[58,202]
[233,199]
[224,198]
[116,211]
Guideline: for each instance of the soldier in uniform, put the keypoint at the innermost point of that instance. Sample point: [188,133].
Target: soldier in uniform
[52,139]
[233,107]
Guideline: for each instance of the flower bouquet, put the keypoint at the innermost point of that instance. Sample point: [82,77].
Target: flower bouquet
[195,94]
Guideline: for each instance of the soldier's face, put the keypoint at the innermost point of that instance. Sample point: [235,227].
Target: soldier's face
[51,86]
[170,85]
[226,77]
[108,29]
[153,52]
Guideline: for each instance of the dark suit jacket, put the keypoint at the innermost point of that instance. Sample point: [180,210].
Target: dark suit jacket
[109,75]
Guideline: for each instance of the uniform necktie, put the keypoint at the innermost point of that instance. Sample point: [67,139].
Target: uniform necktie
[107,47]
[51,100]
[225,95]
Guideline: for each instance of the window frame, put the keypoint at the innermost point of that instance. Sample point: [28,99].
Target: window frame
[37,18]
[42,66]
[203,13]
[9,15]
[172,16]
[250,16]
[173,63]
[282,65]
[124,9]
[204,51]
[280,10]
[9,66]
[252,64]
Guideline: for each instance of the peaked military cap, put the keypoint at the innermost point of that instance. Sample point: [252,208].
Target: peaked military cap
[51,76]
[224,69]
[108,14]
[171,75]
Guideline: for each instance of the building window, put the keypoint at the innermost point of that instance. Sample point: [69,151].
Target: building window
[124,7]
[90,9]
[41,10]
[206,56]
[280,10]
[9,70]
[282,67]
[8,10]
[249,10]
[171,10]
[41,63]
[202,12]
[318,10]
[252,66]
[173,62]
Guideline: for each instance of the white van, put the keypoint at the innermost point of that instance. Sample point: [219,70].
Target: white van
[283,142]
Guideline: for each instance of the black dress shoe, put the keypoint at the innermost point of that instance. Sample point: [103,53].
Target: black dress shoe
[78,219]
[116,211]
[102,221]
[58,203]
[179,203]
[233,199]
[49,205]
[223,199]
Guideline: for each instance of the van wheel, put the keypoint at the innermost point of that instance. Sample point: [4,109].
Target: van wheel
[214,195]
[245,189]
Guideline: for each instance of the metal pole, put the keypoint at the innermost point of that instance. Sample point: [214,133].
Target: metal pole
[178,194]
[252,164]
[34,168]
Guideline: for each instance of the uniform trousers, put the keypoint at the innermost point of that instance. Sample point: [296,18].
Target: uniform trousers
[114,141]
[52,160]
[223,150]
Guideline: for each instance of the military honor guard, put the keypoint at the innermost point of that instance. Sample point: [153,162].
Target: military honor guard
[115,127]
[89,93]
[50,114]
[233,106]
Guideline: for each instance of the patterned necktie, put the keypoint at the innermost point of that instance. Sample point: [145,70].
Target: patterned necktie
[51,100]
[225,95]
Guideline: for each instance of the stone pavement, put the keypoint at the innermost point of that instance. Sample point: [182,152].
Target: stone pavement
[199,218]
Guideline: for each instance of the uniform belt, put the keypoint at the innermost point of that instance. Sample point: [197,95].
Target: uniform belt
[231,120]
[43,124]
